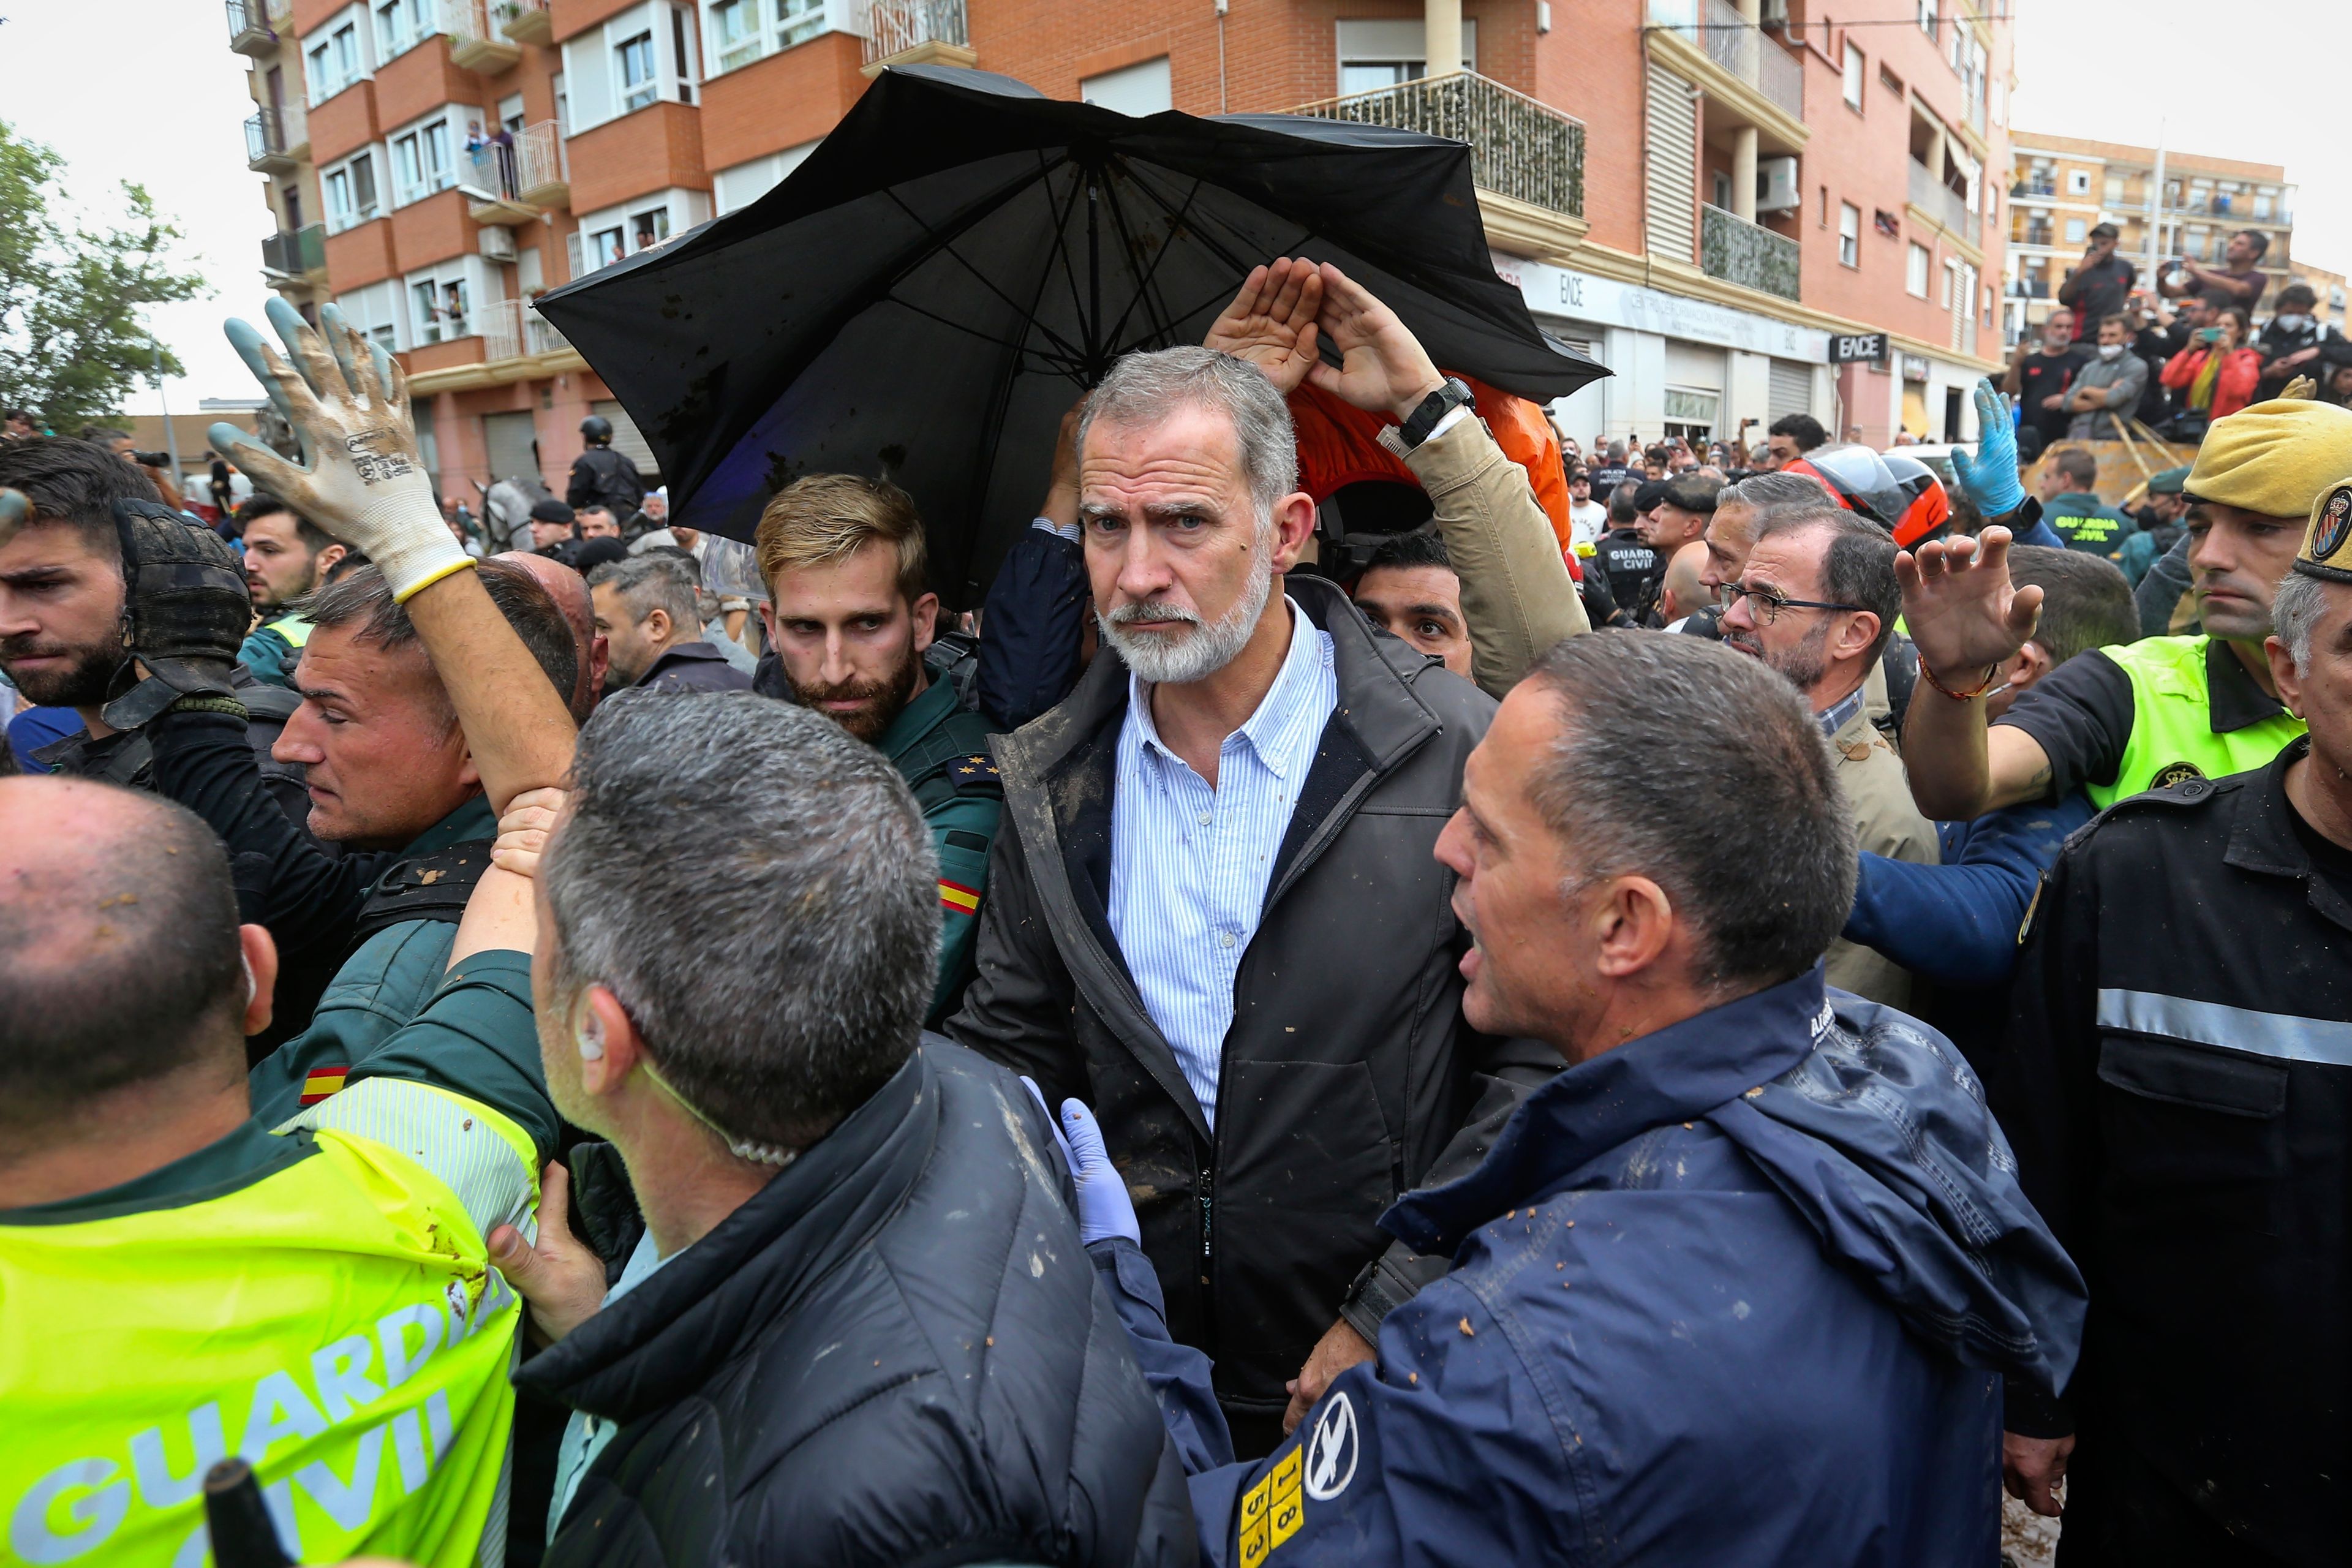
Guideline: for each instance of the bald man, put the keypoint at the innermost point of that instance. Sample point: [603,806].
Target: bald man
[1682,592]
[570,591]
[171,1268]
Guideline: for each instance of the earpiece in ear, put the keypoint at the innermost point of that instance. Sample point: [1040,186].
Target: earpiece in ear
[592,1041]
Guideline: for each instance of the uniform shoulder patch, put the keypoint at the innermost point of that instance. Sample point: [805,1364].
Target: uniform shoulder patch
[975,773]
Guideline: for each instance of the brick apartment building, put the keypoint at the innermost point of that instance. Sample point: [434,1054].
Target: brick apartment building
[2063,186]
[1706,194]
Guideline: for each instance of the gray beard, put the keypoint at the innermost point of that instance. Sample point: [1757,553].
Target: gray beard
[1208,649]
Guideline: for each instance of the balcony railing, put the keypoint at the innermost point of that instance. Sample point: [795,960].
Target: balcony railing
[475,42]
[1945,205]
[894,27]
[255,25]
[1729,40]
[1748,254]
[2029,287]
[265,139]
[2033,188]
[2034,235]
[292,255]
[1519,147]
[542,165]
[511,328]
[524,21]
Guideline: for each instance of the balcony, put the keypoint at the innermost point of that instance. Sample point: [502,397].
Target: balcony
[2032,189]
[2037,234]
[916,32]
[1945,205]
[1717,29]
[542,166]
[512,329]
[2029,288]
[1519,147]
[525,21]
[299,255]
[254,25]
[266,148]
[1748,254]
[474,44]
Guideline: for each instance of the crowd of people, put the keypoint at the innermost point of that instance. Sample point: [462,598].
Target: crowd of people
[1696,1004]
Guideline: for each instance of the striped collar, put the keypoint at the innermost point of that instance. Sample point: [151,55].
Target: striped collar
[1836,716]
[1287,704]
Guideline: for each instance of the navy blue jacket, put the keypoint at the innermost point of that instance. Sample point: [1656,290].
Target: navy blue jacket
[1032,629]
[1743,1290]
[1956,923]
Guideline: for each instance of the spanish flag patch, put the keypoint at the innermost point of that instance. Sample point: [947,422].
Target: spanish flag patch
[321,1082]
[952,895]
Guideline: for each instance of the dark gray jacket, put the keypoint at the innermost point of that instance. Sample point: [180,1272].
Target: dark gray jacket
[895,1353]
[1347,1077]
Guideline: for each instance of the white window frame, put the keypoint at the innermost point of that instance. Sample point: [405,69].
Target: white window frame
[375,310]
[641,92]
[1854,69]
[1928,17]
[476,286]
[2078,182]
[683,209]
[413,22]
[2077,230]
[1849,236]
[1916,260]
[1385,51]
[733,189]
[324,70]
[1951,274]
[763,27]
[450,120]
[668,30]
[347,214]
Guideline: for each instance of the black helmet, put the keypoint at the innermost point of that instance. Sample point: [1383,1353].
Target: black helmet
[1858,477]
[596,427]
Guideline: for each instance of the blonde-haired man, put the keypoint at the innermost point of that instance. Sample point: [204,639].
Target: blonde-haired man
[850,616]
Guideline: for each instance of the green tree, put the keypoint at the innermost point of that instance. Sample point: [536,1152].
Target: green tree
[72,345]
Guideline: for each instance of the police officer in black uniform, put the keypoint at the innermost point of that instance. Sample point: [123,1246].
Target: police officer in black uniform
[2177,1087]
[1634,570]
[602,477]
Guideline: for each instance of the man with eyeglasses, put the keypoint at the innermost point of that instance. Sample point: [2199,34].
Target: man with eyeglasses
[1816,600]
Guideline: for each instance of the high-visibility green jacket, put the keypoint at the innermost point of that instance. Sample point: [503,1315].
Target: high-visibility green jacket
[2172,733]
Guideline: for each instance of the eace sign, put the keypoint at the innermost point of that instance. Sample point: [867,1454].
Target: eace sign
[1856,347]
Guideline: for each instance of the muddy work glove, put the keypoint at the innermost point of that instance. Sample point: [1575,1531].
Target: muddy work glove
[185,611]
[360,477]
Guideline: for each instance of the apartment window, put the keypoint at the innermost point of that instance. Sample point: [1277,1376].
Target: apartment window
[1138,89]
[1825,206]
[1915,270]
[1848,235]
[1852,77]
[375,310]
[649,228]
[2115,191]
[798,21]
[334,61]
[421,162]
[640,85]
[2078,182]
[352,193]
[1378,53]
[2262,204]
[735,32]
[290,197]
[1928,17]
[347,54]
[604,247]
[563,107]
[401,25]
[2074,230]
[677,55]
[1949,270]
[1722,183]
[320,71]
[441,309]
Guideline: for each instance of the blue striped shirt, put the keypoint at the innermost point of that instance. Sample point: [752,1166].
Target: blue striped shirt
[1190,865]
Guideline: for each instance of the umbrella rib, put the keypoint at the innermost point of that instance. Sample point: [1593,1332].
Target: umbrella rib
[947,248]
[1162,328]
[965,327]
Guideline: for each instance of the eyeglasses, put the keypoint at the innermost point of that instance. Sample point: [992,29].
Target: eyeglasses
[1769,604]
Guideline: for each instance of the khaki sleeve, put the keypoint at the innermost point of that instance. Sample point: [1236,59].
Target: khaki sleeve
[1516,594]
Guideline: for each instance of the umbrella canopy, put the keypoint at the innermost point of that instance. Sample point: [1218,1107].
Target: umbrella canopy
[962,257]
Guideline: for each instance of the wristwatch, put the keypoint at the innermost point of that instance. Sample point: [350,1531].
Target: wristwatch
[1451,395]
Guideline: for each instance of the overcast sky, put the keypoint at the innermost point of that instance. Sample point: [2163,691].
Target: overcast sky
[161,99]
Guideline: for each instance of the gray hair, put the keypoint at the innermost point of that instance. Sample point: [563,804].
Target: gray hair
[759,892]
[1765,870]
[653,582]
[1768,493]
[1143,389]
[2295,609]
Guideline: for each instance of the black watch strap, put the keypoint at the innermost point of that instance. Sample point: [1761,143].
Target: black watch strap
[1450,395]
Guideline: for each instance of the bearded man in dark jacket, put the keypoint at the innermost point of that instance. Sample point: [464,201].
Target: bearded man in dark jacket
[1217,920]
[855,1325]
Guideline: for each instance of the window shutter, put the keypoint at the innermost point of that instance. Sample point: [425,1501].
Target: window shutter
[1672,197]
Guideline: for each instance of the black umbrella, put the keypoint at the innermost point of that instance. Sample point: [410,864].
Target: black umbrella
[934,286]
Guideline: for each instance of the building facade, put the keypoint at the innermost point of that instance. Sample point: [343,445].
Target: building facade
[1715,199]
[2060,187]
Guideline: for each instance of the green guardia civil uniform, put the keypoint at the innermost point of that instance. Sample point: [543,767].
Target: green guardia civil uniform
[317,1297]
[940,749]
[269,649]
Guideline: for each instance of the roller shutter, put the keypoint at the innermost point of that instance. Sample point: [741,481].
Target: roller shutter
[1673,193]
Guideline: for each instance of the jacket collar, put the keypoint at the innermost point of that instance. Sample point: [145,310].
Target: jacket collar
[917,718]
[700,650]
[2236,700]
[470,821]
[1677,1074]
[670,1335]
[2262,838]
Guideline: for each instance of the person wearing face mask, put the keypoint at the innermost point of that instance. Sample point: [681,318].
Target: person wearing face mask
[2039,376]
[2108,388]
[2295,343]
[2216,375]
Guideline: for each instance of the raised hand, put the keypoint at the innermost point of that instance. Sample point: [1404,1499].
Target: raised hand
[1383,368]
[1989,478]
[1271,323]
[1960,607]
[361,478]
[524,827]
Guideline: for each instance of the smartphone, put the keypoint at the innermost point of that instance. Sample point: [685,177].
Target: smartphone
[2209,335]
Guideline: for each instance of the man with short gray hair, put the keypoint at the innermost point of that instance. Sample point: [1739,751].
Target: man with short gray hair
[647,607]
[1216,919]
[1751,1267]
[848,1268]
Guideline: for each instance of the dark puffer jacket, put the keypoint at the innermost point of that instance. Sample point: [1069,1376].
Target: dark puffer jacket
[895,1354]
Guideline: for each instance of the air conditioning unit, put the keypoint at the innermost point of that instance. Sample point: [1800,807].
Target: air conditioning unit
[498,240]
[1776,185]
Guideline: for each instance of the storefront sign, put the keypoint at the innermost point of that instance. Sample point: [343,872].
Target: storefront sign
[1856,347]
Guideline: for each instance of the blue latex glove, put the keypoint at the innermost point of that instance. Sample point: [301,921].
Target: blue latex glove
[1104,1208]
[1990,476]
